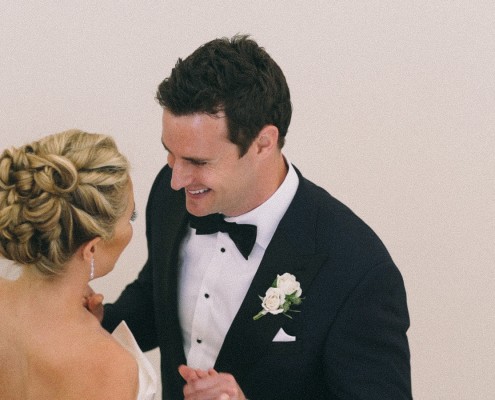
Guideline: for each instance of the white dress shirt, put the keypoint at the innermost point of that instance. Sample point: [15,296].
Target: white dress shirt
[214,276]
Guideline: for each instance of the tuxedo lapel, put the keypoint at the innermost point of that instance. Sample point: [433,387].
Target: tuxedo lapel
[171,224]
[168,241]
[290,250]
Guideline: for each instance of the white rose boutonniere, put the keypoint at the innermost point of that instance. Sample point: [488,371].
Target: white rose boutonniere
[284,292]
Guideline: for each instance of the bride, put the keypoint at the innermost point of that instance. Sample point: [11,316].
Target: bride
[66,206]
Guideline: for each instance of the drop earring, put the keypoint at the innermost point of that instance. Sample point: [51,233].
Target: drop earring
[92,269]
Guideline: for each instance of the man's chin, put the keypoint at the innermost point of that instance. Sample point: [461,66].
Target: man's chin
[193,209]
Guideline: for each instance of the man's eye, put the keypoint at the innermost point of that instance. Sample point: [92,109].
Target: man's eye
[197,162]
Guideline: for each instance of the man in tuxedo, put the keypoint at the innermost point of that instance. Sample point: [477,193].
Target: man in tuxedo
[228,218]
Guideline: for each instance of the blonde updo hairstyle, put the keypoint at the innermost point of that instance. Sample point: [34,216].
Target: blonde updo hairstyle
[58,193]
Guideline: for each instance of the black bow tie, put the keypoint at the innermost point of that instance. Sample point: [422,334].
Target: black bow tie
[243,235]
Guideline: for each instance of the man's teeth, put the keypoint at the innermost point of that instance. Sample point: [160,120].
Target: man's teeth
[198,191]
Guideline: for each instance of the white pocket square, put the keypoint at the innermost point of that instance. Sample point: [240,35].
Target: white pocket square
[281,336]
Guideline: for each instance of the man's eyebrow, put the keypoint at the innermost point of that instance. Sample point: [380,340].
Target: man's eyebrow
[192,159]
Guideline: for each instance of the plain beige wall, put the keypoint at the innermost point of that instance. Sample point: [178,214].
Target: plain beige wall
[394,114]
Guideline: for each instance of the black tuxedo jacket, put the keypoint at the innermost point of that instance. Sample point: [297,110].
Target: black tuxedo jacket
[351,329]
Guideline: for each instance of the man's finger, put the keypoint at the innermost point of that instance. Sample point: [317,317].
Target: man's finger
[189,374]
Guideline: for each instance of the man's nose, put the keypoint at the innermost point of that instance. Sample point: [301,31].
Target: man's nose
[181,175]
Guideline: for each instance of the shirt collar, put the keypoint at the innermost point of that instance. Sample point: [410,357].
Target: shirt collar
[268,215]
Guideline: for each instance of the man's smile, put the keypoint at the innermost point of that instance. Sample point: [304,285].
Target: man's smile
[200,191]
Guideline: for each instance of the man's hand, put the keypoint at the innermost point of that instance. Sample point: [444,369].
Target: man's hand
[209,385]
[94,303]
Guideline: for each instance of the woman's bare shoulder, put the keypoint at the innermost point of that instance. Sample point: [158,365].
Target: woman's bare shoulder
[105,370]
[66,361]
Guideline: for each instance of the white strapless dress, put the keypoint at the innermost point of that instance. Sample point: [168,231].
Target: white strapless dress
[147,375]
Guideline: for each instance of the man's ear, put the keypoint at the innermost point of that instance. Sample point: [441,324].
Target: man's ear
[267,139]
[88,249]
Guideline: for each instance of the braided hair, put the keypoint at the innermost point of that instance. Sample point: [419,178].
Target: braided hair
[58,193]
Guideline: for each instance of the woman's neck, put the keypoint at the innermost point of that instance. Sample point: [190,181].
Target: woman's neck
[63,294]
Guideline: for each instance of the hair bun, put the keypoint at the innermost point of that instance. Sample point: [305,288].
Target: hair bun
[53,173]
[56,194]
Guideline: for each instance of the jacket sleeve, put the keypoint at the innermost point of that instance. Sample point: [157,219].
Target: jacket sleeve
[366,352]
[135,307]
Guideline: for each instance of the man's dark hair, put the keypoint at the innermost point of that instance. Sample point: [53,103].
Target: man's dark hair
[235,76]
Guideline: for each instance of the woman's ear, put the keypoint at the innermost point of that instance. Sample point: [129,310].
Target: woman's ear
[88,249]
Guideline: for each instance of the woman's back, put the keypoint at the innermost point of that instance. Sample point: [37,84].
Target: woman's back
[51,350]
